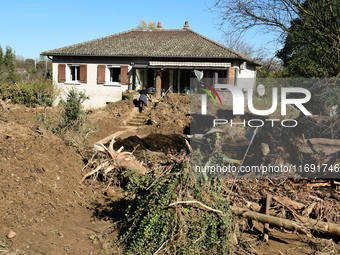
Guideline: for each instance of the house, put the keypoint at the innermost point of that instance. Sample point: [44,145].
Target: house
[159,58]
[21,71]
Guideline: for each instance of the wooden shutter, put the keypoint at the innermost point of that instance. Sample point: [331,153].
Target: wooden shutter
[101,74]
[124,74]
[61,73]
[83,73]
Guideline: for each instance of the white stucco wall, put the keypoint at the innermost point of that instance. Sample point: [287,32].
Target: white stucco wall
[246,78]
[99,94]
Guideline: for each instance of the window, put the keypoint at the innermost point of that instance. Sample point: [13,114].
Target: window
[75,71]
[114,74]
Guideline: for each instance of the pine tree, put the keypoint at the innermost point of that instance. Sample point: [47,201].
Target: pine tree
[9,64]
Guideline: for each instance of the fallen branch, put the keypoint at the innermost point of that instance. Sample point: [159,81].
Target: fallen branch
[189,146]
[335,196]
[288,202]
[311,146]
[309,209]
[180,157]
[92,172]
[199,203]
[124,160]
[308,224]
[266,225]
[326,141]
[319,184]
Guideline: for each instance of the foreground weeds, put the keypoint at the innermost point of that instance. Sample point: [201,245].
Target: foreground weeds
[69,121]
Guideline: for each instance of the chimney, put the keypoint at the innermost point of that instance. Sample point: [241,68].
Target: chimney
[186,25]
[159,26]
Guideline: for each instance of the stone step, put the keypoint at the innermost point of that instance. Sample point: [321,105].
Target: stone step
[138,122]
[140,117]
[135,124]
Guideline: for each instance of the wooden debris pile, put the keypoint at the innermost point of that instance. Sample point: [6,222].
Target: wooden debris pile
[319,141]
[306,206]
[108,163]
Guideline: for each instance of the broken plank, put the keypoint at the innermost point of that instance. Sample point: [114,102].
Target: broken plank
[288,202]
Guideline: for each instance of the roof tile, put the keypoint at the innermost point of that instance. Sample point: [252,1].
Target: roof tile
[151,43]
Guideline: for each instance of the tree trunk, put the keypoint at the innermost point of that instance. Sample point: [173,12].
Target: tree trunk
[301,227]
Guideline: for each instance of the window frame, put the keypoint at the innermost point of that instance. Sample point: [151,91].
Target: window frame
[69,74]
[108,75]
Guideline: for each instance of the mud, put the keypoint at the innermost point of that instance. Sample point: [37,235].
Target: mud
[51,212]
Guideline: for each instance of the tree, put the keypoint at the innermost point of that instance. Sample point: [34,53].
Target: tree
[309,30]
[143,24]
[312,45]
[1,56]
[9,58]
[267,15]
[271,68]
[235,42]
[311,23]
[8,65]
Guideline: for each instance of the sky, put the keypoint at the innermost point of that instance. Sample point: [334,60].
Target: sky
[30,27]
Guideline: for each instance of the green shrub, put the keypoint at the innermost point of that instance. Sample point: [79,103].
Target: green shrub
[37,92]
[127,96]
[73,114]
[70,123]
[152,226]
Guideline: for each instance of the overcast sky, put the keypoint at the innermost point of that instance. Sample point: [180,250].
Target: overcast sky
[33,26]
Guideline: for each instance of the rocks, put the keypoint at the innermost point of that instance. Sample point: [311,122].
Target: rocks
[11,234]
[265,149]
[115,193]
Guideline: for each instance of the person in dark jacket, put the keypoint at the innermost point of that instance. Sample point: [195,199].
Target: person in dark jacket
[143,98]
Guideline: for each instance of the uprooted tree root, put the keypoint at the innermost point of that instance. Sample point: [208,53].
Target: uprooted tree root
[108,163]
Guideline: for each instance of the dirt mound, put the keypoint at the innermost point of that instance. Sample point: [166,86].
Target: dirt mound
[153,142]
[169,116]
[109,119]
[42,200]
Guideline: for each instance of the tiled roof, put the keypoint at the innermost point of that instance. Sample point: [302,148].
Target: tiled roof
[151,43]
